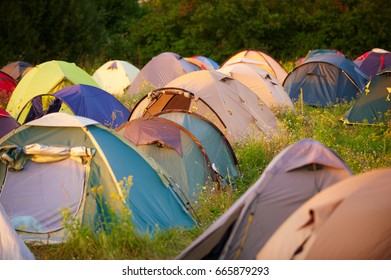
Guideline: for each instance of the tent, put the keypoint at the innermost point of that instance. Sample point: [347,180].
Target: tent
[91,174]
[225,101]
[296,174]
[7,87]
[17,69]
[7,123]
[374,103]
[45,78]
[159,71]
[115,76]
[218,148]
[260,59]
[81,100]
[325,79]
[12,246]
[261,82]
[207,61]
[374,61]
[351,220]
[177,150]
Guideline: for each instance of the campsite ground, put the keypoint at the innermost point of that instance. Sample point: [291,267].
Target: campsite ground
[362,147]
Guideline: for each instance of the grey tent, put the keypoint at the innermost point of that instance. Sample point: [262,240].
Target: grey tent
[351,220]
[292,177]
[12,246]
[159,71]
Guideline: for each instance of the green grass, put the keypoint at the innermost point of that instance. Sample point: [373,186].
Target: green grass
[363,148]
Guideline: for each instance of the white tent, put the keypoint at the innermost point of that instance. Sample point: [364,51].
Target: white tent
[115,76]
[261,82]
[12,246]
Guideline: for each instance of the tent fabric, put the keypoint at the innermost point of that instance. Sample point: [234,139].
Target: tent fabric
[176,150]
[7,87]
[218,148]
[159,71]
[374,103]
[225,101]
[282,188]
[17,69]
[117,176]
[81,100]
[45,78]
[7,83]
[207,61]
[373,61]
[325,79]
[12,246]
[348,221]
[7,123]
[261,82]
[115,76]
[16,198]
[260,59]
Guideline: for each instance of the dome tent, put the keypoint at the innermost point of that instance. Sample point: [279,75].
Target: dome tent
[296,174]
[374,103]
[261,82]
[218,148]
[260,59]
[80,100]
[45,78]
[159,71]
[225,101]
[325,79]
[373,61]
[177,150]
[115,76]
[83,166]
[348,221]
[12,246]
[7,123]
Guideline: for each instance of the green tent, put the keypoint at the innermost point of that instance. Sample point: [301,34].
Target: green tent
[374,103]
[45,78]
[61,164]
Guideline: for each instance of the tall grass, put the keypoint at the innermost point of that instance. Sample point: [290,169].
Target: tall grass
[362,147]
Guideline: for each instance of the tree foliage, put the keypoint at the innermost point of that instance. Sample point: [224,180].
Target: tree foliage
[36,31]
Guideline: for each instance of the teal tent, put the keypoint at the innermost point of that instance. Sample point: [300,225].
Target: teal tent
[217,146]
[374,103]
[89,172]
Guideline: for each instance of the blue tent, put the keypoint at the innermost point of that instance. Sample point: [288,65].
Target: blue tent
[325,79]
[81,100]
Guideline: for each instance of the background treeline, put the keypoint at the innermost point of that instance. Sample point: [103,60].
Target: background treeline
[90,32]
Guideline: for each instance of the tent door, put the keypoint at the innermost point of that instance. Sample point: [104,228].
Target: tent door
[36,200]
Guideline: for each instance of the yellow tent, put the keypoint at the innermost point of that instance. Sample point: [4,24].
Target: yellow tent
[45,78]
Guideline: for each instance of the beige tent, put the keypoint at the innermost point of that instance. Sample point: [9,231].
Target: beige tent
[115,76]
[295,175]
[351,220]
[261,82]
[12,246]
[225,101]
[259,59]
